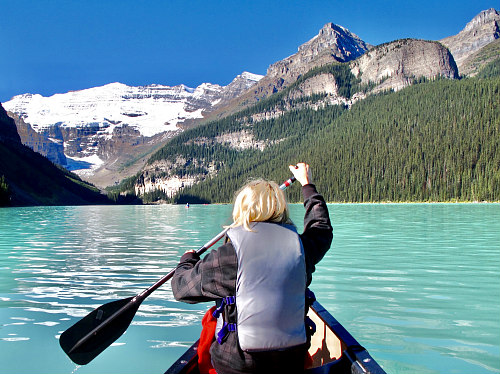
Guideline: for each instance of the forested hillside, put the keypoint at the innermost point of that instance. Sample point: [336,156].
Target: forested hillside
[438,141]
[434,141]
[28,178]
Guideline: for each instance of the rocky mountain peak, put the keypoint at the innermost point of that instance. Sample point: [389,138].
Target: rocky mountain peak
[333,43]
[238,85]
[480,31]
[241,83]
[344,44]
[485,17]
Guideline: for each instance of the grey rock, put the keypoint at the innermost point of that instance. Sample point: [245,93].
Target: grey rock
[395,65]
[479,32]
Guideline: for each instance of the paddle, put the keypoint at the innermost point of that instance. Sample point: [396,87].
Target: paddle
[87,338]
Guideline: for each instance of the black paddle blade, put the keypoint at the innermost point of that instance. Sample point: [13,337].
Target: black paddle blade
[87,338]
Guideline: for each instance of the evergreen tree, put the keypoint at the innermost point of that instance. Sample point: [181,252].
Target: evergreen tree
[4,192]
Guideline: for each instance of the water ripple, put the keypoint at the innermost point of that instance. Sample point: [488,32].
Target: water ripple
[417,284]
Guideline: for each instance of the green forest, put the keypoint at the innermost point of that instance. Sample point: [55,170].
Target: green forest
[28,178]
[433,141]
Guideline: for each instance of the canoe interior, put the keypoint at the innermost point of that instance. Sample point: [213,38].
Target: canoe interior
[325,345]
[333,350]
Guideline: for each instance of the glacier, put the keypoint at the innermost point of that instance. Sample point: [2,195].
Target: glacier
[149,109]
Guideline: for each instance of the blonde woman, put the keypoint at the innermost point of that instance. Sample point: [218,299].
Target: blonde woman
[258,279]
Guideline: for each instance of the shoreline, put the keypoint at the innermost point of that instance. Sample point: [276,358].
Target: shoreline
[328,202]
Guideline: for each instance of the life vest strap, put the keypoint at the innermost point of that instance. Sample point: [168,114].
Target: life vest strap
[310,297]
[231,327]
[224,331]
[225,301]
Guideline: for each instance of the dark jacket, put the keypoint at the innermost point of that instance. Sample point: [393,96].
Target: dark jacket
[214,277]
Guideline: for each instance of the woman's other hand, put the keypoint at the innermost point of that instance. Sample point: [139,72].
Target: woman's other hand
[302,173]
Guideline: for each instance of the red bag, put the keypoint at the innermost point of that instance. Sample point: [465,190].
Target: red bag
[207,336]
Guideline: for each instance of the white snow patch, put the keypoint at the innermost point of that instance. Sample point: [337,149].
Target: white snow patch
[84,165]
[251,76]
[149,109]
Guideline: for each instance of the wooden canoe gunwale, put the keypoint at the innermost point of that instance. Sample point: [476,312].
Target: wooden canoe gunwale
[354,358]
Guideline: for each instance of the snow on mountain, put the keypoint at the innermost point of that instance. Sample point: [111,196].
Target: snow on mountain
[250,76]
[102,127]
[149,109]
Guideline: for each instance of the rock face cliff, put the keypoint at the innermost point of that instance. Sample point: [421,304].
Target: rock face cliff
[474,63]
[48,143]
[479,32]
[395,65]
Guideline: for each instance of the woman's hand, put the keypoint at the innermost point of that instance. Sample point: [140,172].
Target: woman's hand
[190,255]
[302,173]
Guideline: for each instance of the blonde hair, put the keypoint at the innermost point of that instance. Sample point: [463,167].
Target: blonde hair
[258,201]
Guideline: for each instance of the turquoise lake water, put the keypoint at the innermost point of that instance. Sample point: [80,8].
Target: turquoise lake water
[417,284]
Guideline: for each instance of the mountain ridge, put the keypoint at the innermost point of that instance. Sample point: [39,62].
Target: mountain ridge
[389,66]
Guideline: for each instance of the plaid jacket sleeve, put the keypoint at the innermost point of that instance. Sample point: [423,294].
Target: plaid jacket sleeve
[208,279]
[318,232]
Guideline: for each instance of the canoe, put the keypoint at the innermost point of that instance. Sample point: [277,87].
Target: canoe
[333,350]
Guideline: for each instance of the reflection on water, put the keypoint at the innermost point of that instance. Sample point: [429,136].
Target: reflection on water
[418,284]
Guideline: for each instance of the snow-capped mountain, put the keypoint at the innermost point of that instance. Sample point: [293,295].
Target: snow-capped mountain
[148,109]
[92,128]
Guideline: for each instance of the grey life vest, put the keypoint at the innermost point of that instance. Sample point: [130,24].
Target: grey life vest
[270,287]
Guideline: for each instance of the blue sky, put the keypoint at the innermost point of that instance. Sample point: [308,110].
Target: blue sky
[50,47]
